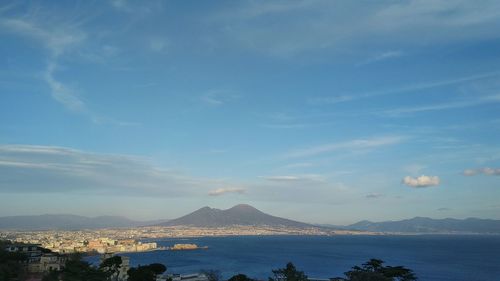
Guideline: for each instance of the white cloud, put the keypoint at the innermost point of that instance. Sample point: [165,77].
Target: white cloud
[40,169]
[484,171]
[223,191]
[421,181]
[470,172]
[357,144]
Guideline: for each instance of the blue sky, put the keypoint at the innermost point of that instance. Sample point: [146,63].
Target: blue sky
[322,111]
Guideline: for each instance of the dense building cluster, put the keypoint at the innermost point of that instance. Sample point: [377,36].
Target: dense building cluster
[127,240]
[105,241]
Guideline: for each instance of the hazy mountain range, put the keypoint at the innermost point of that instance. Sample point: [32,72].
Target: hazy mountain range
[68,222]
[247,215]
[428,225]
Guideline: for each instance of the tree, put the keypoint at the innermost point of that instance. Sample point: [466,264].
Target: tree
[289,273]
[78,270]
[240,277]
[111,266]
[140,273]
[146,272]
[374,270]
[157,268]
[212,275]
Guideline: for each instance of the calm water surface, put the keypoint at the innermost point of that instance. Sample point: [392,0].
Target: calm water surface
[433,258]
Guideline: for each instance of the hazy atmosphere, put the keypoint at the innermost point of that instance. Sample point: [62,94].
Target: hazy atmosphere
[321,111]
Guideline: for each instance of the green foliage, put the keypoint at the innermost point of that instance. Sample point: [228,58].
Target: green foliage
[77,270]
[240,277]
[146,272]
[157,268]
[289,273]
[212,275]
[374,270]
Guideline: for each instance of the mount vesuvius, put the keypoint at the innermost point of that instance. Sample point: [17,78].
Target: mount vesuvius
[238,215]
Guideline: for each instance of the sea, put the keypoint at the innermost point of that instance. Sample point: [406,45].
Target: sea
[431,257]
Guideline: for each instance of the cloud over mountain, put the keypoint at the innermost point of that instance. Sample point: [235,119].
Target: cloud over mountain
[222,191]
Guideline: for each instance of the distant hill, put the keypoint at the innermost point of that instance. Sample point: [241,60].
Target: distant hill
[66,222]
[237,215]
[428,225]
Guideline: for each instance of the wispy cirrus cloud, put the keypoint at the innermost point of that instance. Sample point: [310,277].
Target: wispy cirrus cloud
[62,93]
[406,89]
[357,144]
[332,26]
[489,99]
[482,171]
[56,37]
[69,98]
[52,169]
[294,178]
[421,181]
[60,37]
[382,57]
[219,97]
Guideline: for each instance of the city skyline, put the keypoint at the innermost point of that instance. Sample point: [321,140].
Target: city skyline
[320,111]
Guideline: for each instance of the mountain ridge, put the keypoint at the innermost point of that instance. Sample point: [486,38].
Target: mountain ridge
[243,214]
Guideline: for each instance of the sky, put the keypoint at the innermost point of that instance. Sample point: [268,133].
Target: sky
[319,111]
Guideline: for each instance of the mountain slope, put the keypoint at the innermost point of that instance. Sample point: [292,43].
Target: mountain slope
[64,222]
[428,225]
[237,215]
